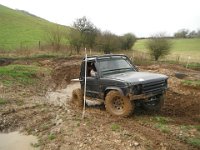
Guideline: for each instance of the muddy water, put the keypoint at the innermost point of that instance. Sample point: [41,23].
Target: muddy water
[17,141]
[61,97]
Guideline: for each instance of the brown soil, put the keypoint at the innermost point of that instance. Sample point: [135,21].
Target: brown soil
[30,110]
[181,101]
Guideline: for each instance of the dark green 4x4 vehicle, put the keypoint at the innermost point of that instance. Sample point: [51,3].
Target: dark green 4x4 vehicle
[114,80]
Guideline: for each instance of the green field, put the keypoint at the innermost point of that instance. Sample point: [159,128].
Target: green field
[20,29]
[181,48]
[20,74]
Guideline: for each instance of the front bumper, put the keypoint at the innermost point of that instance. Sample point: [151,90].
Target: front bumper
[144,97]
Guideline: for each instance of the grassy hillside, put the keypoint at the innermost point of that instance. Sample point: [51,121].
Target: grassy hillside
[182,48]
[20,29]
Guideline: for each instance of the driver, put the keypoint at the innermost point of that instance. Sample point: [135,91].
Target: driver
[92,70]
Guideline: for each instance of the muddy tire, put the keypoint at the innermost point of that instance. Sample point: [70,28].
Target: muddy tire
[77,97]
[118,105]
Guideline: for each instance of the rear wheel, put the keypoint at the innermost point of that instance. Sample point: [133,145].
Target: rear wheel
[77,97]
[118,105]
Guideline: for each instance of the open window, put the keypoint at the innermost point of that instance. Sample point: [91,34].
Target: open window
[91,69]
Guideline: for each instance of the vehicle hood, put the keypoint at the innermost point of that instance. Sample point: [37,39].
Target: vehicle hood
[137,77]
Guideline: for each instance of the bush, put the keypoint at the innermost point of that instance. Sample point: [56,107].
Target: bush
[158,46]
[108,42]
[128,40]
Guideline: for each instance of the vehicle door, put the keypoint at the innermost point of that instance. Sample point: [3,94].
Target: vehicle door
[92,81]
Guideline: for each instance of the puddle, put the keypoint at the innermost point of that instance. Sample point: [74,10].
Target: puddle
[17,141]
[61,97]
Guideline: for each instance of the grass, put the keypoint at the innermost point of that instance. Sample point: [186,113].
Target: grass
[35,145]
[115,127]
[35,54]
[20,30]
[186,128]
[163,128]
[51,136]
[194,142]
[143,58]
[161,124]
[198,128]
[51,55]
[193,83]
[189,127]
[45,126]
[179,45]
[182,49]
[22,74]
[161,120]
[2,101]
[193,66]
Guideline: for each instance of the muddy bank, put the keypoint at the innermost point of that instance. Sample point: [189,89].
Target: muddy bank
[63,74]
[59,125]
[181,101]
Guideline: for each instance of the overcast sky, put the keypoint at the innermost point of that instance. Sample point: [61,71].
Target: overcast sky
[141,17]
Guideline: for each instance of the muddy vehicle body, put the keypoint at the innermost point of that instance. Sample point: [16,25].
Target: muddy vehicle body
[114,80]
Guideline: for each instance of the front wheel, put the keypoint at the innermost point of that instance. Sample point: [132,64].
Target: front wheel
[118,105]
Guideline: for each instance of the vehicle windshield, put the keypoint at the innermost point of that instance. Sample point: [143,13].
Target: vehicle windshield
[114,65]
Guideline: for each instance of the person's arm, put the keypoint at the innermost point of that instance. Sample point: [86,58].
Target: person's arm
[92,73]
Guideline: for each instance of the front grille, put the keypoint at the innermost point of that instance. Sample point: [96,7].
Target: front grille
[154,87]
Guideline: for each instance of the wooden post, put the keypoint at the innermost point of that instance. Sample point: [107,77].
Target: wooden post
[188,61]
[83,114]
[39,44]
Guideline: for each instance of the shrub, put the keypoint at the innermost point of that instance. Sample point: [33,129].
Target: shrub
[158,46]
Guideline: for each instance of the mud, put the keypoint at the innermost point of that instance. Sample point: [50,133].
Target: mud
[181,101]
[63,72]
[17,141]
[58,123]
[62,96]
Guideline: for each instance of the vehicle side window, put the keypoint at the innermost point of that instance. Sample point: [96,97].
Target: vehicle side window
[91,69]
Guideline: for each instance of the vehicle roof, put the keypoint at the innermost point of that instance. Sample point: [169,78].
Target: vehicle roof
[104,56]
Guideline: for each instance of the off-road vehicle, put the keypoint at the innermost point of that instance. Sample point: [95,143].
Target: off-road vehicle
[119,85]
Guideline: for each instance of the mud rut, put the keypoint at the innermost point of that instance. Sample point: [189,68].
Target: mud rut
[55,115]
[180,101]
[176,105]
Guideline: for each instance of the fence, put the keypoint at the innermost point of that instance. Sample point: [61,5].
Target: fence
[23,45]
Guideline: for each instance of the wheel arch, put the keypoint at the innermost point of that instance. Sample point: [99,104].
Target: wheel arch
[108,89]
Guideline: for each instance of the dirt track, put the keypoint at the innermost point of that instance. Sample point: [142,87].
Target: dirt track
[58,124]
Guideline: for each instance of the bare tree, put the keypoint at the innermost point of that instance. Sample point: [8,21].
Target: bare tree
[194,34]
[55,36]
[183,33]
[158,46]
[75,40]
[108,42]
[88,31]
